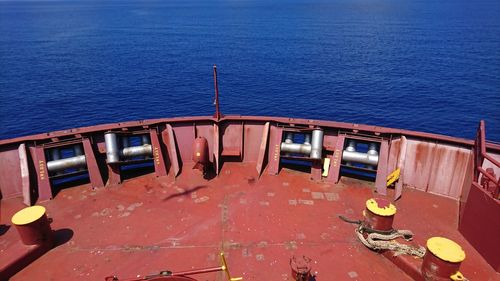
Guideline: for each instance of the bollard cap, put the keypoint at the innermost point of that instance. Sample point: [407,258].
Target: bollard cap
[381,207]
[445,249]
[28,215]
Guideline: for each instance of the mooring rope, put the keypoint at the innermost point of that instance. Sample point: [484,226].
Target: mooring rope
[349,220]
[378,241]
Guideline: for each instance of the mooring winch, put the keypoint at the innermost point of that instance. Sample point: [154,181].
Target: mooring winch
[116,153]
[312,146]
[57,164]
[351,154]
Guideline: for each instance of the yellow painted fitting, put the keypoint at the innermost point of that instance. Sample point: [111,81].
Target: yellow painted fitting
[446,249]
[226,269]
[387,211]
[394,176]
[28,215]
[326,167]
[457,276]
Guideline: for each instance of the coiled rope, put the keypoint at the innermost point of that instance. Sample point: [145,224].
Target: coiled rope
[377,240]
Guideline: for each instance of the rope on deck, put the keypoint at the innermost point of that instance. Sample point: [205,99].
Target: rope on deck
[378,241]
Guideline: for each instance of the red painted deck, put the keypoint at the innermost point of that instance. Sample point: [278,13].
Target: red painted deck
[149,224]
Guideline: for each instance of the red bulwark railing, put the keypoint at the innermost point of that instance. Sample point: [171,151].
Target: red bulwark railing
[480,221]
[488,178]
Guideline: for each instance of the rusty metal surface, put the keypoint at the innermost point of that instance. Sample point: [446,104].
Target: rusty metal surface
[18,256]
[206,130]
[216,148]
[394,150]
[184,137]
[10,172]
[436,269]
[381,178]
[338,148]
[232,139]
[261,161]
[42,175]
[35,233]
[273,152]
[92,166]
[427,216]
[325,124]
[448,168]
[479,215]
[14,254]
[158,159]
[436,168]
[114,175]
[487,164]
[466,186]
[401,165]
[168,137]
[252,139]
[200,154]
[148,224]
[25,174]
[479,223]
[419,166]
[376,222]
[425,157]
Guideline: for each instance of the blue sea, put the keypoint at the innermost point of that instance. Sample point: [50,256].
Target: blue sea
[423,65]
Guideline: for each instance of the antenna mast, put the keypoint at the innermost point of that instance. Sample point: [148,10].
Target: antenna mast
[217,114]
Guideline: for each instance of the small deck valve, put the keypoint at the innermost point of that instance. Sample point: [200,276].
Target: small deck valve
[301,268]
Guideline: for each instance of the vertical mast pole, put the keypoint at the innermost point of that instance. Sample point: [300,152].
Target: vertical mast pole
[217,114]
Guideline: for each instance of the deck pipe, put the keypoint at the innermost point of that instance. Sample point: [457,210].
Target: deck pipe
[114,153]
